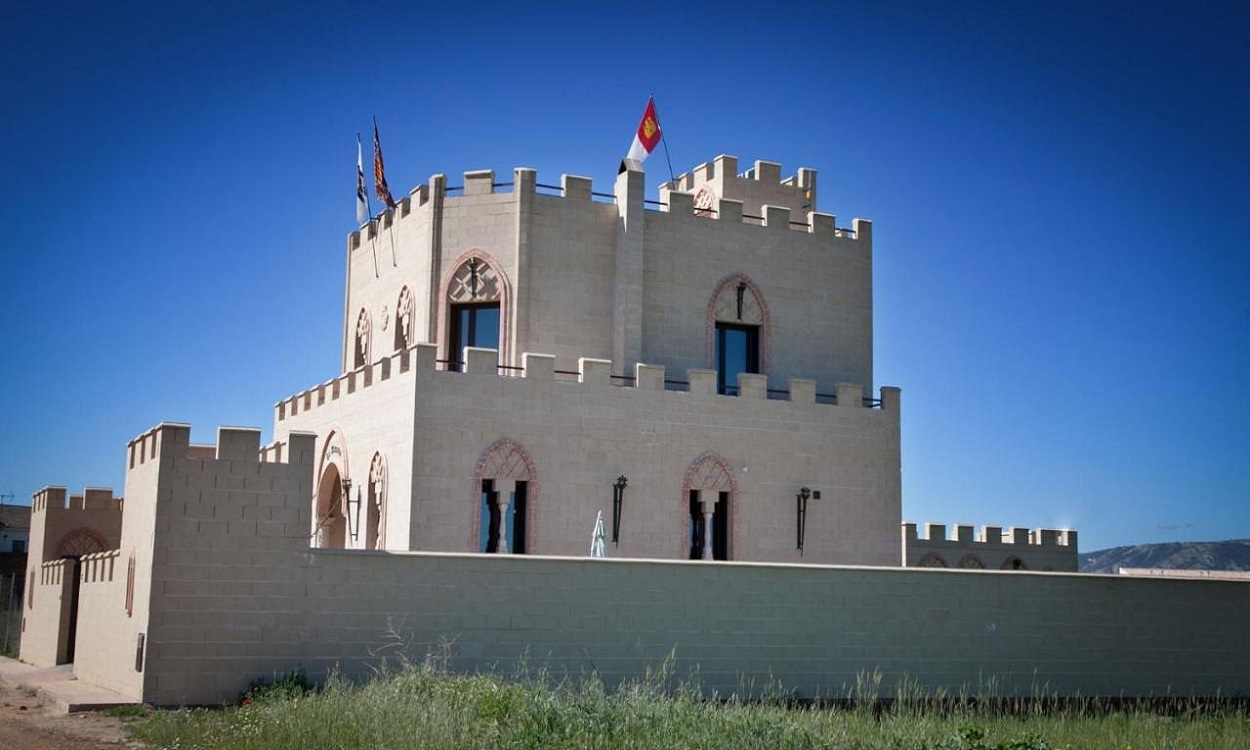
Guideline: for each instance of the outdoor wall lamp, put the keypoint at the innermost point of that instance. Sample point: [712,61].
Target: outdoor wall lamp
[804,495]
[618,499]
[353,510]
[473,264]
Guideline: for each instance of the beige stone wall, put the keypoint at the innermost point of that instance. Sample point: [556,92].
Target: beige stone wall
[565,290]
[236,594]
[818,291]
[46,613]
[56,522]
[809,629]
[758,185]
[361,414]
[433,427]
[107,636]
[61,525]
[578,276]
[992,547]
[581,436]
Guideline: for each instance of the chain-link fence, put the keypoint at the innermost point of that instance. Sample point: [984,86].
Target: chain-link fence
[12,589]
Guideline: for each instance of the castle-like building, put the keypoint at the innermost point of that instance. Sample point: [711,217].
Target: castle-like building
[716,355]
[519,358]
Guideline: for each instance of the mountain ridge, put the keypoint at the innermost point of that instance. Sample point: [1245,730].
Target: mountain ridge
[1232,554]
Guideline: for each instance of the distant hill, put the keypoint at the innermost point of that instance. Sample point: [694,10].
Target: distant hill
[1231,555]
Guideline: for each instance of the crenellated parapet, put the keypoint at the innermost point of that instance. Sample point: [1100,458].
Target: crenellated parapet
[99,567]
[422,360]
[1011,548]
[759,197]
[72,526]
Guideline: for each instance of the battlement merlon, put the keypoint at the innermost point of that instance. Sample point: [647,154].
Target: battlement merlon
[53,497]
[755,187]
[992,535]
[423,358]
[171,440]
[742,198]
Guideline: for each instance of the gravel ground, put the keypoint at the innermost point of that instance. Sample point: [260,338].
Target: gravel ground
[27,723]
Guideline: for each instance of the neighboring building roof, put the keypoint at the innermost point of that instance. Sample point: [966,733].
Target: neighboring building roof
[1230,575]
[15,516]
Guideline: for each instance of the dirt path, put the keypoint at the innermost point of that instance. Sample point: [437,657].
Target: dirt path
[26,723]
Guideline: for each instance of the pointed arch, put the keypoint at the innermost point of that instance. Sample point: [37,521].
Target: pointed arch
[329,506]
[972,562]
[81,541]
[375,514]
[505,460]
[932,560]
[1014,563]
[738,302]
[360,347]
[404,322]
[711,474]
[458,287]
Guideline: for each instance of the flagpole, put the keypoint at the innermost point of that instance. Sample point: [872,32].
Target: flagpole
[672,178]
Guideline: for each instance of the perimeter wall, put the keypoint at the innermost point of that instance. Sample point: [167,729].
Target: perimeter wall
[236,594]
[269,607]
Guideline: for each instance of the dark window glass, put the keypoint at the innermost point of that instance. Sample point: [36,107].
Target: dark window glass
[512,519]
[737,349]
[696,526]
[516,518]
[472,325]
[720,528]
[488,536]
[717,535]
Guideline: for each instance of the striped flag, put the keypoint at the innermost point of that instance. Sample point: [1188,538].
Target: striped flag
[379,171]
[648,134]
[362,200]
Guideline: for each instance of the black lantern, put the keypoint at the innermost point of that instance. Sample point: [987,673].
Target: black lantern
[802,497]
[353,510]
[618,498]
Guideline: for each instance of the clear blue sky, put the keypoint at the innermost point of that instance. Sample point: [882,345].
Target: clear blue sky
[1061,198]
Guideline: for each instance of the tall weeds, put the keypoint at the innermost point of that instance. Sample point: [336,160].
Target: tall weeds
[420,704]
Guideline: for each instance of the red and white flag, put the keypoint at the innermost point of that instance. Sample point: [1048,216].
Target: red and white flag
[380,187]
[648,134]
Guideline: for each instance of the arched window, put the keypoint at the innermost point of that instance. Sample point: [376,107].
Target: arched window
[932,560]
[505,482]
[709,491]
[738,331]
[360,356]
[403,320]
[477,295]
[1014,563]
[375,514]
[971,561]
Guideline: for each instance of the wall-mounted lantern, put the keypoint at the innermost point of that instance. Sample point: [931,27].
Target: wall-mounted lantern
[618,499]
[353,510]
[473,264]
[742,288]
[804,495]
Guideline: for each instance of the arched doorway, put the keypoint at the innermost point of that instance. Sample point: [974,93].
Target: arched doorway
[331,529]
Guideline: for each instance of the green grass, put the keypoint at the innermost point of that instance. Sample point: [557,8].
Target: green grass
[421,706]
